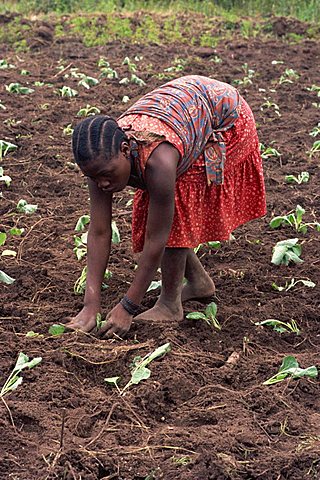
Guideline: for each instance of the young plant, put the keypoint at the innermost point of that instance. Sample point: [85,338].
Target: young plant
[302,177]
[247,79]
[314,149]
[315,131]
[87,82]
[5,178]
[209,316]
[4,64]
[294,219]
[68,130]
[67,92]
[286,251]
[18,88]
[14,379]
[281,327]
[87,111]
[80,284]
[293,283]
[215,245]
[57,329]
[139,369]
[290,368]
[289,76]
[24,207]
[268,152]
[4,278]
[269,104]
[6,147]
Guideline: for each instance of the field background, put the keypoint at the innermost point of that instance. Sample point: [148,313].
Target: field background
[204,413]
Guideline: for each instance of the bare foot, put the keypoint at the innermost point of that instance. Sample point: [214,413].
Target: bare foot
[161,312]
[203,288]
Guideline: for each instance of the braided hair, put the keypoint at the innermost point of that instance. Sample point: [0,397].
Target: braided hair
[94,136]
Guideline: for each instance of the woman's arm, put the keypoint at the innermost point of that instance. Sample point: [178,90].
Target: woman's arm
[98,243]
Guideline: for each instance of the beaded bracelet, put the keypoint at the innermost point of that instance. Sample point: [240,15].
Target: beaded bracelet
[129,305]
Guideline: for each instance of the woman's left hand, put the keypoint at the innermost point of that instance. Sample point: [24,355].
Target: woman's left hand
[118,323]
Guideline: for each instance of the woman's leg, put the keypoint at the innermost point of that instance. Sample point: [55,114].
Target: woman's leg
[168,305]
[199,284]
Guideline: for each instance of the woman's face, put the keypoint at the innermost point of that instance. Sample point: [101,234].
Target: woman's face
[109,175]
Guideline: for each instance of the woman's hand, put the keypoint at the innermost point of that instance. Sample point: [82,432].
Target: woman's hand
[117,323]
[86,320]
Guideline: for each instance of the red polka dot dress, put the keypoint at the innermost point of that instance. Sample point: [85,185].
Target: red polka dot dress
[205,212]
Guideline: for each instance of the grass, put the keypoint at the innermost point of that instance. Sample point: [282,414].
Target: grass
[306,10]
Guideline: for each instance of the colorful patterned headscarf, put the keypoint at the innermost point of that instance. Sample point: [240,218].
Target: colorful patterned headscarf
[199,110]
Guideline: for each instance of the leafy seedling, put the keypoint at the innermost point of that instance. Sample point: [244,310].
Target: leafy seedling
[315,131]
[215,245]
[99,322]
[154,285]
[293,283]
[281,327]
[4,278]
[302,177]
[268,152]
[82,222]
[18,88]
[286,251]
[87,82]
[14,379]
[68,130]
[115,232]
[139,369]
[247,79]
[80,284]
[5,178]
[24,207]
[57,329]
[3,238]
[67,92]
[5,64]
[209,316]
[314,149]
[269,104]
[289,76]
[88,111]
[290,368]
[294,219]
[6,147]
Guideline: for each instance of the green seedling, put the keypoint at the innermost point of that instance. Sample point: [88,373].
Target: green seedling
[57,329]
[269,104]
[4,278]
[132,67]
[3,107]
[133,79]
[18,88]
[294,219]
[24,72]
[268,152]
[290,368]
[14,379]
[24,207]
[314,88]
[125,99]
[109,73]
[115,232]
[16,231]
[302,177]
[154,285]
[281,327]
[293,283]
[314,149]
[87,111]
[178,66]
[6,147]
[102,62]
[38,84]
[82,222]
[32,334]
[87,82]
[212,245]
[3,238]
[315,131]
[184,460]
[286,251]
[80,284]
[139,369]
[99,322]
[209,316]
[5,178]
[67,92]
[289,76]
[247,79]
[68,130]
[5,64]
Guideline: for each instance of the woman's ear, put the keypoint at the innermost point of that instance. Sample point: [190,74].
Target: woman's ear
[125,149]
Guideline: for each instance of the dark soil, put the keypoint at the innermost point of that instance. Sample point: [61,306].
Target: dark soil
[199,416]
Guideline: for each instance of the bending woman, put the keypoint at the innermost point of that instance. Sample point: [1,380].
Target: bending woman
[190,147]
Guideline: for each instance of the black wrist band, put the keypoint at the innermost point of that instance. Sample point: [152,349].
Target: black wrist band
[129,305]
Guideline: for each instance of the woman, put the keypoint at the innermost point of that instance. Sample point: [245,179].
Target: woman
[191,149]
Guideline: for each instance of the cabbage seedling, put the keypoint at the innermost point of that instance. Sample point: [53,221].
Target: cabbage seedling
[302,177]
[68,130]
[215,245]
[5,178]
[281,327]
[139,369]
[4,278]
[290,368]
[18,88]
[14,379]
[289,76]
[209,316]
[87,82]
[286,251]
[294,220]
[57,329]
[24,207]
[269,104]
[67,92]
[80,284]
[293,283]
[249,74]
[268,152]
[314,149]
[315,131]
[6,147]
[87,111]
[4,64]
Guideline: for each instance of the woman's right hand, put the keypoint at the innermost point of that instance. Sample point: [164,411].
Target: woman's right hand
[86,320]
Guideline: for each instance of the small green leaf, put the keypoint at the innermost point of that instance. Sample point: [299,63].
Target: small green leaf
[16,231]
[32,334]
[82,222]
[211,310]
[57,329]
[140,373]
[154,285]
[196,316]
[4,278]
[276,222]
[112,380]
[115,232]
[3,237]
[24,207]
